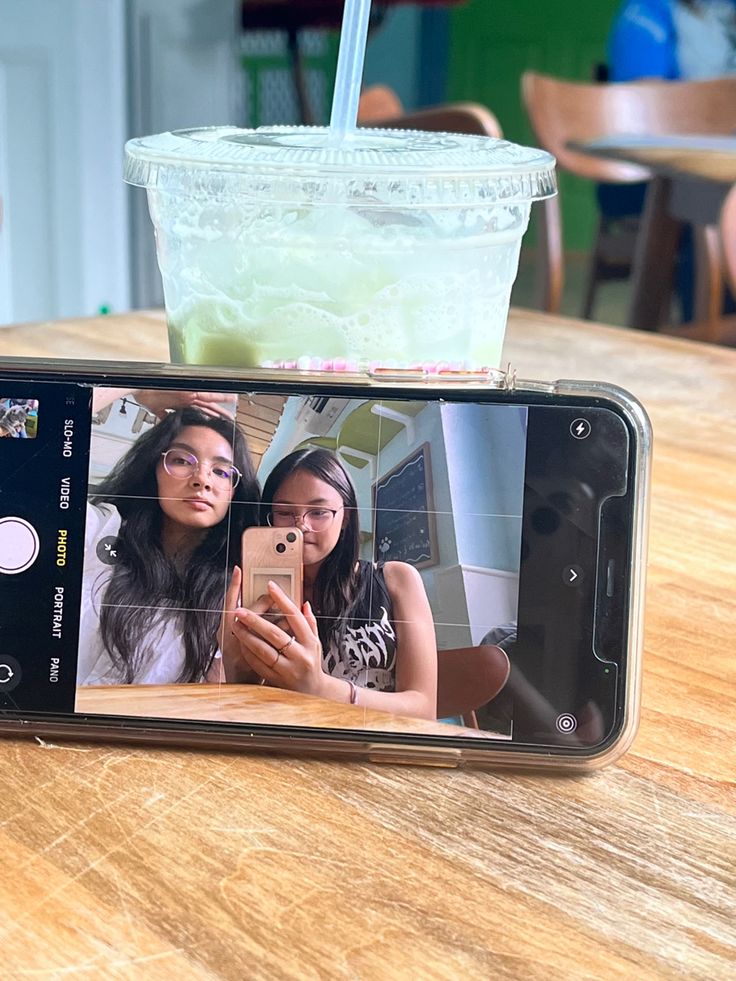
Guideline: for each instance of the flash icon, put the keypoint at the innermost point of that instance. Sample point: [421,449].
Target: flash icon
[580,428]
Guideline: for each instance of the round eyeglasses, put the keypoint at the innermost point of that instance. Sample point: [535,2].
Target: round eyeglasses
[316,519]
[182,464]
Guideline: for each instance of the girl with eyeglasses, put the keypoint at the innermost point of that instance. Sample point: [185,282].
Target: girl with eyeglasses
[365,633]
[160,542]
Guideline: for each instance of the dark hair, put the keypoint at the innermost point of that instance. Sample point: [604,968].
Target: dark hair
[144,579]
[338,588]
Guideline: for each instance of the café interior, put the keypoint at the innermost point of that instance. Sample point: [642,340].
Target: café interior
[627,275]
[640,235]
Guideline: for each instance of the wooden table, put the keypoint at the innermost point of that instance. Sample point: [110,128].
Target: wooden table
[690,179]
[253,704]
[136,863]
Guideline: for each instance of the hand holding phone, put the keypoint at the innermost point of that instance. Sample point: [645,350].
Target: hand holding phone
[231,666]
[286,652]
[273,609]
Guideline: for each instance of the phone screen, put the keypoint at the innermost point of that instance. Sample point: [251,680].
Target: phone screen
[513,517]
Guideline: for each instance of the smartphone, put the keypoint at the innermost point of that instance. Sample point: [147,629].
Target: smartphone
[271,555]
[520,505]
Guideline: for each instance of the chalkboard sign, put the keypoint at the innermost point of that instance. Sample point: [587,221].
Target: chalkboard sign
[404,509]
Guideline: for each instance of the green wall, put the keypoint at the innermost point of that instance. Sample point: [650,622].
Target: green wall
[492,42]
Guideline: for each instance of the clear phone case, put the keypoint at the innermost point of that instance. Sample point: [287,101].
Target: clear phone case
[499,387]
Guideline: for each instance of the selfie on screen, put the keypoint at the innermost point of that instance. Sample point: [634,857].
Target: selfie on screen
[260,557]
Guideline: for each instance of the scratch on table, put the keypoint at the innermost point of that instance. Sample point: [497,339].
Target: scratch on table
[233,882]
[242,829]
[90,965]
[123,843]
[107,805]
[70,749]
[154,799]
[662,827]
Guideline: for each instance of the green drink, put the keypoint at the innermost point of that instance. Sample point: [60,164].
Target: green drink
[279,249]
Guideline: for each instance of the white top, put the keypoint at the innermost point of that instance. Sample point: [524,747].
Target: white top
[164,660]
[706,39]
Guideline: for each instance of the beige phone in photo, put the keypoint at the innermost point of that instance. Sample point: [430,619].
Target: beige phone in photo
[272,554]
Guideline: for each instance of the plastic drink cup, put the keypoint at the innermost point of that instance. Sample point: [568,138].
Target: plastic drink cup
[279,248]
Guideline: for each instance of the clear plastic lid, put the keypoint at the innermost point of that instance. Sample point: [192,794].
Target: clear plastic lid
[401,167]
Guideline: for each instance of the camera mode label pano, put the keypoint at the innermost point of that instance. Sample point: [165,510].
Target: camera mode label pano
[43,489]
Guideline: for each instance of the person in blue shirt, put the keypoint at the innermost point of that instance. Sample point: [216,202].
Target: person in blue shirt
[673,40]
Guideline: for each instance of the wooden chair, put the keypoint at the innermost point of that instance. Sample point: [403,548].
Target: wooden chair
[381,108]
[728,238]
[469,677]
[721,243]
[562,111]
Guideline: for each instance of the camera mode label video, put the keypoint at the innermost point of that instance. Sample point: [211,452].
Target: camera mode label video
[45,430]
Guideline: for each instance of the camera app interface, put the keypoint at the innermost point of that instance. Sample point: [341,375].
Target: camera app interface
[407,560]
[283,559]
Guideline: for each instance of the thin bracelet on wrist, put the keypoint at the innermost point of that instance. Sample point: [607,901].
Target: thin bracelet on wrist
[353,693]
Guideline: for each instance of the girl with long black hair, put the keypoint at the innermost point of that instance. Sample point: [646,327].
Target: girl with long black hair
[365,633]
[160,545]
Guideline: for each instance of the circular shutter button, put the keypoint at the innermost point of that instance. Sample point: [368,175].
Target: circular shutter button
[19,545]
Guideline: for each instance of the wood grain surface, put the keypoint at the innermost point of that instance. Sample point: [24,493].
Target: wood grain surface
[675,161]
[140,863]
[255,704]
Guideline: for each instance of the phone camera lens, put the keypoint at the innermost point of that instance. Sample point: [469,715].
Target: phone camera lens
[280,547]
[291,537]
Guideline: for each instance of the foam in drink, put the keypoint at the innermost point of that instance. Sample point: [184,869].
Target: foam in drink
[331,287]
[390,249]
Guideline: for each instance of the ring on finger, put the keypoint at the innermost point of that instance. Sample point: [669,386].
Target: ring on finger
[287,645]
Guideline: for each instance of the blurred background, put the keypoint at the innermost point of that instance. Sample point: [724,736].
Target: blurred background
[80,77]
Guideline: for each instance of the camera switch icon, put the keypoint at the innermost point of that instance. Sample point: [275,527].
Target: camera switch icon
[10,673]
[19,545]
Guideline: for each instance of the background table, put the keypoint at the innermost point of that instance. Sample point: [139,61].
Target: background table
[690,180]
[253,704]
[137,863]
